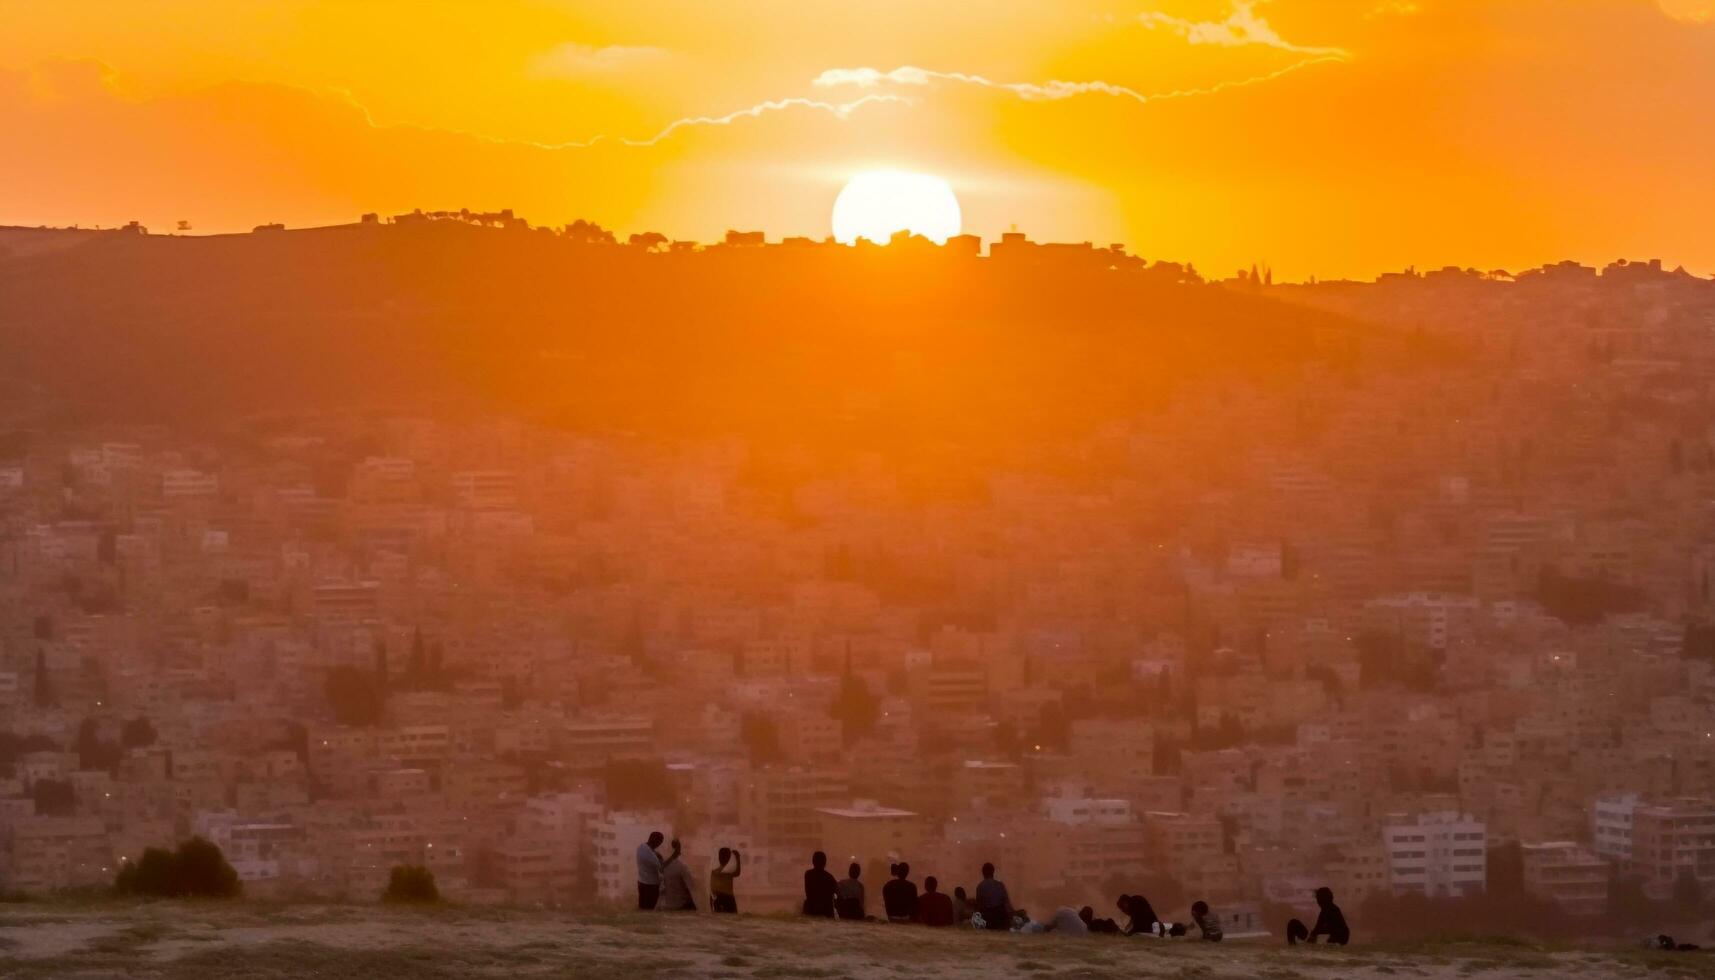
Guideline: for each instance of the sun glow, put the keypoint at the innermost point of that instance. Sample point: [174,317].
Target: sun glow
[876,204]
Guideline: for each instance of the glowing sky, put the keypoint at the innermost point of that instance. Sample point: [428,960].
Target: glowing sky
[1328,137]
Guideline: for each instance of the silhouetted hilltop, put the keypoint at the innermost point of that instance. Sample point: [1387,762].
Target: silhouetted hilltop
[453,316]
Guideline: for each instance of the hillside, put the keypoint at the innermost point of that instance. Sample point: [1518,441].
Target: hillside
[213,942]
[829,343]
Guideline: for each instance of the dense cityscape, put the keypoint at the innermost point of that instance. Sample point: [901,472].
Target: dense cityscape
[1435,621]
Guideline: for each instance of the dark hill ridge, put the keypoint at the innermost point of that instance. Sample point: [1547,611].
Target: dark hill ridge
[808,342]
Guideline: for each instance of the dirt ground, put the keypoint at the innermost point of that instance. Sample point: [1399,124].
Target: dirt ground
[245,939]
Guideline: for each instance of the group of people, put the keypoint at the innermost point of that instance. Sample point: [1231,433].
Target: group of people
[667,884]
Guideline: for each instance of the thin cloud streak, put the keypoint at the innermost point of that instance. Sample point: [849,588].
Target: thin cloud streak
[1051,91]
[840,110]
[1242,28]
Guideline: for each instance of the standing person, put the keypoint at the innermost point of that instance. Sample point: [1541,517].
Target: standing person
[993,902]
[819,888]
[934,908]
[1208,922]
[1330,922]
[722,897]
[678,886]
[900,895]
[649,865]
[848,898]
[961,906]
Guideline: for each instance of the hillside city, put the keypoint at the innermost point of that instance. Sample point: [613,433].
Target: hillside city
[1395,626]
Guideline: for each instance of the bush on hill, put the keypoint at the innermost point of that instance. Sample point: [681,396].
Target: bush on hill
[411,883]
[197,869]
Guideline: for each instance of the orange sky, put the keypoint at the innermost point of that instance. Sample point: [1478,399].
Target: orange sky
[1327,137]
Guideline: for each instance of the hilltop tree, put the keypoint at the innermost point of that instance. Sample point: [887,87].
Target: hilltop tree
[855,707]
[93,751]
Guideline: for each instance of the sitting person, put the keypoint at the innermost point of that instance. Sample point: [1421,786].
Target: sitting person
[1330,922]
[961,906]
[994,904]
[899,896]
[934,908]
[1095,925]
[1207,921]
[819,888]
[678,886]
[849,900]
[1141,919]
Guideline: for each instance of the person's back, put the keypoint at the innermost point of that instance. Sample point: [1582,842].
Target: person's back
[849,895]
[819,888]
[1143,920]
[1066,921]
[1207,922]
[962,907]
[899,896]
[934,908]
[993,902]
[678,888]
[1330,921]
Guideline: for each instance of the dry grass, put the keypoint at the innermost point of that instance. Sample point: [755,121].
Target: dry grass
[254,940]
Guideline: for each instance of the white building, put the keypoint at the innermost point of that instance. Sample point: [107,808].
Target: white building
[1611,827]
[1436,854]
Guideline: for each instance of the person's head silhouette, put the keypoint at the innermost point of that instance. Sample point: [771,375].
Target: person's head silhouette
[818,860]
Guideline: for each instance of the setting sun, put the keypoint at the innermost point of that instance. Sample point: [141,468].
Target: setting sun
[877,204]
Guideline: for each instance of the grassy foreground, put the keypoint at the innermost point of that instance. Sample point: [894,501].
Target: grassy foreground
[215,941]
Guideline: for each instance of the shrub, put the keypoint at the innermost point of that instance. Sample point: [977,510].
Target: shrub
[411,883]
[197,869]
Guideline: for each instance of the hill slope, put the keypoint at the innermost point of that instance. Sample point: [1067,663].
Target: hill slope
[212,942]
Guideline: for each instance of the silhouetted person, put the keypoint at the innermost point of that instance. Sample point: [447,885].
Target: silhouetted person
[1330,923]
[934,908]
[649,865]
[993,902]
[1140,916]
[1207,922]
[962,908]
[848,899]
[899,895]
[1095,925]
[722,896]
[819,888]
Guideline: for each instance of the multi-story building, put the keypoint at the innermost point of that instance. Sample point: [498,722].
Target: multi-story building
[1571,876]
[1438,854]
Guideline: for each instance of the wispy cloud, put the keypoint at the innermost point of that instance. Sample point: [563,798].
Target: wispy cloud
[1050,91]
[572,59]
[1243,26]
[839,110]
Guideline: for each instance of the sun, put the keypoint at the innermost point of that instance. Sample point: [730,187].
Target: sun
[877,203]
